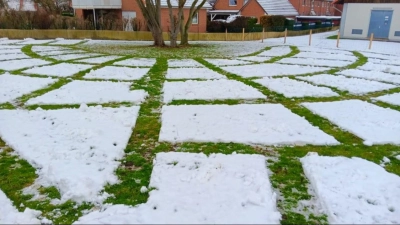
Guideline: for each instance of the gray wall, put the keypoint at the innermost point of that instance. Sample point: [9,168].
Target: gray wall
[357,16]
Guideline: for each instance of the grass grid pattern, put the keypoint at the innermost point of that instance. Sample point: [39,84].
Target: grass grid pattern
[136,166]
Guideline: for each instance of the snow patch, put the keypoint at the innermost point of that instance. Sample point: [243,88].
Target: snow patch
[14,86]
[145,62]
[209,90]
[393,99]
[369,122]
[10,215]
[353,85]
[192,73]
[21,63]
[117,73]
[354,190]
[99,60]
[183,63]
[269,124]
[75,150]
[78,92]
[293,88]
[197,189]
[59,70]
[273,69]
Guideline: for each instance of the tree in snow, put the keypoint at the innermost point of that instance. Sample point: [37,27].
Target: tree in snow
[193,11]
[151,10]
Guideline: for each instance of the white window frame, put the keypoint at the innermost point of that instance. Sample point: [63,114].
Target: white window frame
[231,4]
[195,17]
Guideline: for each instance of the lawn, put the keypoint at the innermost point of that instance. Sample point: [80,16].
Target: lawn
[84,138]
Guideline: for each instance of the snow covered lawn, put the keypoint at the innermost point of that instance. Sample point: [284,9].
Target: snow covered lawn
[198,189]
[61,41]
[59,70]
[30,41]
[135,62]
[372,75]
[48,48]
[372,123]
[183,63]
[21,63]
[268,124]
[209,90]
[13,56]
[78,92]
[276,51]
[255,58]
[274,69]
[117,73]
[192,73]
[99,60]
[74,56]
[74,150]
[14,86]
[328,56]
[10,215]
[10,51]
[313,50]
[353,85]
[59,52]
[393,99]
[380,67]
[293,88]
[315,62]
[353,190]
[227,62]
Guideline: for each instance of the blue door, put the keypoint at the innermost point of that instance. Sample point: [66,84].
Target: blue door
[379,23]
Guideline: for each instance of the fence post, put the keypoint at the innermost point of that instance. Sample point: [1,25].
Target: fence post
[370,40]
[309,41]
[284,42]
[226,34]
[243,35]
[262,40]
[338,38]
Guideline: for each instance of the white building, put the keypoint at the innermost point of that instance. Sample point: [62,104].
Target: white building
[361,18]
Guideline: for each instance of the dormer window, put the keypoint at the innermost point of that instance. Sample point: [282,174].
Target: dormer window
[232,2]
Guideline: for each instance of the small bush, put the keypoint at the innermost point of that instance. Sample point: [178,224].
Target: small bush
[215,26]
[275,23]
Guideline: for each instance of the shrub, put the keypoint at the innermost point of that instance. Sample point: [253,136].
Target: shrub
[238,24]
[215,26]
[276,23]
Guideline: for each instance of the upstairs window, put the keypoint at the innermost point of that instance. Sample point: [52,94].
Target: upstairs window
[232,2]
[195,19]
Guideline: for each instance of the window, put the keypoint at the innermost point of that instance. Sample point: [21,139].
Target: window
[195,19]
[232,2]
[304,2]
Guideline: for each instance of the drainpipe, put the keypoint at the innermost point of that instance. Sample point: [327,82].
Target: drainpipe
[312,8]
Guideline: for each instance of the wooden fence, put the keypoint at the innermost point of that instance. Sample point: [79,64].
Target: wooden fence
[145,36]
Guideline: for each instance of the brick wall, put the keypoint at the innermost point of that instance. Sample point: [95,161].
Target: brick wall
[225,5]
[321,7]
[252,8]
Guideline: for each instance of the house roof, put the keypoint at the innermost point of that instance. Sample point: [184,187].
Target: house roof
[188,3]
[365,1]
[278,7]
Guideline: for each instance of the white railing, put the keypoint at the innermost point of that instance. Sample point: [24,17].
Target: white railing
[96,4]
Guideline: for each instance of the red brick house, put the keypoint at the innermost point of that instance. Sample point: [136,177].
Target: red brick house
[253,8]
[316,7]
[129,9]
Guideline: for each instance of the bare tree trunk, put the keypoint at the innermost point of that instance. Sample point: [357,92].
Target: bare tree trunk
[175,22]
[185,26]
[152,15]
